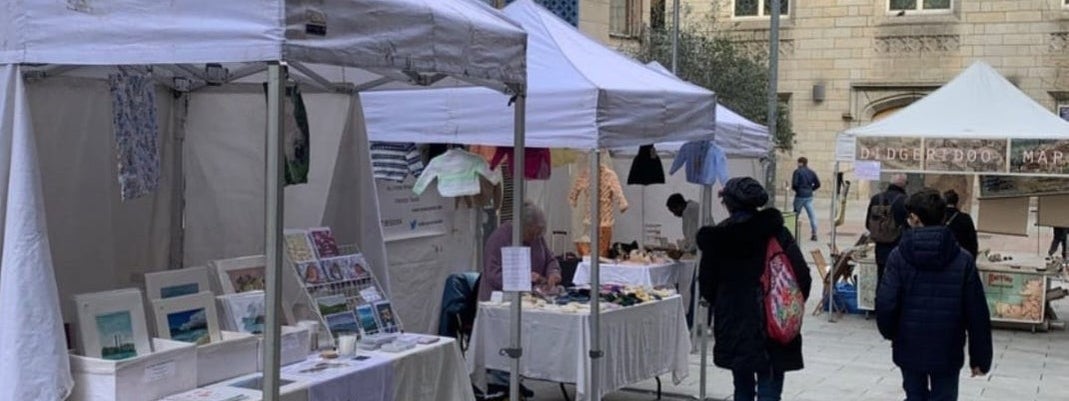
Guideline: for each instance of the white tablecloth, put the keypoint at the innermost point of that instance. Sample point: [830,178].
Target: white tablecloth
[640,342]
[650,276]
[426,372]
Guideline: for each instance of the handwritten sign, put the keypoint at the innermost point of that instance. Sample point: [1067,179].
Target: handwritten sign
[516,268]
[159,371]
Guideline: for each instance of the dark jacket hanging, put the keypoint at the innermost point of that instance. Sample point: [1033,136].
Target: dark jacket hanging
[646,169]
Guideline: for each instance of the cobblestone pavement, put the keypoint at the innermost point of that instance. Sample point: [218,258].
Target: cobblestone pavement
[848,360]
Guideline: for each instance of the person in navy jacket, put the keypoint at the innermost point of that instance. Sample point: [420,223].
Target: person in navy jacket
[930,302]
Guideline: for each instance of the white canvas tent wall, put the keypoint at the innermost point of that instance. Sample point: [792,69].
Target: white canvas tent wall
[581,95]
[369,41]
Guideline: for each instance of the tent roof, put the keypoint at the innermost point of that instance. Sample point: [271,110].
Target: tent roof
[735,134]
[978,103]
[581,95]
[461,38]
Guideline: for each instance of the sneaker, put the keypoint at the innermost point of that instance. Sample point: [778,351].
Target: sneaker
[813,238]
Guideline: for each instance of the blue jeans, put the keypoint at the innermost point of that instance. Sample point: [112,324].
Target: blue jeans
[762,386]
[929,386]
[807,204]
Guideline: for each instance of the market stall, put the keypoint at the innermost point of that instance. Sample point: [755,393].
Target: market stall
[581,96]
[83,44]
[977,124]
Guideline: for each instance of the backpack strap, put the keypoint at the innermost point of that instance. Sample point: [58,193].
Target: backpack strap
[951,219]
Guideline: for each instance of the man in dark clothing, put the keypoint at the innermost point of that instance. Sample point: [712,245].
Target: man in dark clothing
[1061,238]
[930,300]
[804,182]
[893,198]
[961,224]
[733,260]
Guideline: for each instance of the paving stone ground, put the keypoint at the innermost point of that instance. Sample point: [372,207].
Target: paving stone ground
[847,359]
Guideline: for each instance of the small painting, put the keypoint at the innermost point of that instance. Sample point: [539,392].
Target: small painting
[338,269]
[330,305]
[189,326]
[250,279]
[368,322]
[386,317]
[298,246]
[241,274]
[323,240]
[342,323]
[245,311]
[311,273]
[179,290]
[116,332]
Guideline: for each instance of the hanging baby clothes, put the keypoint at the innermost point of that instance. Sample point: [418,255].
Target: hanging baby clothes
[133,99]
[610,196]
[646,169]
[486,152]
[536,162]
[395,161]
[705,161]
[458,173]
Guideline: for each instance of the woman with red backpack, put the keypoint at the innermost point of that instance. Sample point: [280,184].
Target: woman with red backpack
[756,279]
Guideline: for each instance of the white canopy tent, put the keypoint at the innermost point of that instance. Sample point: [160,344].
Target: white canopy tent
[341,47]
[581,95]
[977,115]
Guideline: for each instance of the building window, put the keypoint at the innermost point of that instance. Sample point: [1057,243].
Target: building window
[1063,111]
[900,6]
[759,8]
[625,18]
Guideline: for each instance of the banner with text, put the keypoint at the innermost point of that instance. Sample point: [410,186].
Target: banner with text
[406,215]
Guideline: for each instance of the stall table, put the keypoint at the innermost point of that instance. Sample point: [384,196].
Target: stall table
[426,372]
[659,275]
[640,342]
[1016,291]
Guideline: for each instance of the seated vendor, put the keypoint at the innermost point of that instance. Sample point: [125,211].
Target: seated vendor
[545,270]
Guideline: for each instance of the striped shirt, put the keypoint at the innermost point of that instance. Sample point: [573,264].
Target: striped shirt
[395,161]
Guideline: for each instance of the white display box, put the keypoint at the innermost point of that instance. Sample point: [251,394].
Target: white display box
[295,346]
[170,369]
[235,356]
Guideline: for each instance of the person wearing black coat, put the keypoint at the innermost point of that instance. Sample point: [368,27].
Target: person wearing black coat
[961,224]
[931,300]
[733,260]
[895,196]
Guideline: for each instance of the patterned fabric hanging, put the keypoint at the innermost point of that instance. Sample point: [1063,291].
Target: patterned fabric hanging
[137,132]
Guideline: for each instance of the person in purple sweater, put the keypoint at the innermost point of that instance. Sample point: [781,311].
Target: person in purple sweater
[544,267]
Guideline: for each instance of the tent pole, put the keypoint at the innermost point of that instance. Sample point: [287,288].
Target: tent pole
[702,315]
[273,202]
[594,393]
[834,234]
[518,194]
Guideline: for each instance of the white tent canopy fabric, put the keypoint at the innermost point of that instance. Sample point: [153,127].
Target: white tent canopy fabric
[581,95]
[362,43]
[735,134]
[978,104]
[456,38]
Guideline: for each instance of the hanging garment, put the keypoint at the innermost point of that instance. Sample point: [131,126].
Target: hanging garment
[395,161]
[486,152]
[504,212]
[133,99]
[610,196]
[295,132]
[536,164]
[458,173]
[646,169]
[563,157]
[705,161]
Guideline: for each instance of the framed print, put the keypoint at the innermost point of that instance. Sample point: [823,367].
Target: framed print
[312,273]
[342,323]
[323,241]
[176,283]
[244,312]
[369,323]
[387,320]
[188,318]
[241,274]
[298,246]
[112,324]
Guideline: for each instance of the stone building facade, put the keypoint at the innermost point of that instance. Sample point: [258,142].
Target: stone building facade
[845,63]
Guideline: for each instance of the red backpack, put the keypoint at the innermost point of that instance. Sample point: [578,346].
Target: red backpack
[784,302]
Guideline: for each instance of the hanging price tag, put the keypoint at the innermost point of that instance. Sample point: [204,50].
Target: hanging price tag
[516,268]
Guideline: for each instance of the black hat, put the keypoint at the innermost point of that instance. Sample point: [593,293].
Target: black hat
[743,193]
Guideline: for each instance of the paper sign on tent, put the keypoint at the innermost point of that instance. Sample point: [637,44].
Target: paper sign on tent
[516,268]
[867,170]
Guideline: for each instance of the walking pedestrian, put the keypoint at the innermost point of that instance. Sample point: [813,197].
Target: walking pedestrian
[804,183]
[885,220]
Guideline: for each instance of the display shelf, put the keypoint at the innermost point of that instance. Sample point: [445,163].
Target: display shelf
[170,369]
